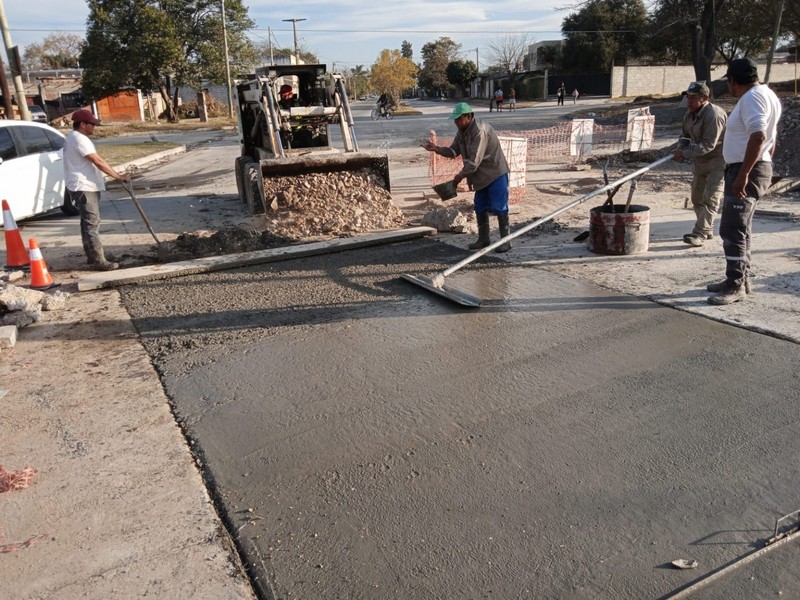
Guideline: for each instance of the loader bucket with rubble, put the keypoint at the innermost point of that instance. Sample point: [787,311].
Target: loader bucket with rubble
[294,121]
[261,178]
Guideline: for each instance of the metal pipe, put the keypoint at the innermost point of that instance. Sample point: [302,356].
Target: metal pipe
[438,280]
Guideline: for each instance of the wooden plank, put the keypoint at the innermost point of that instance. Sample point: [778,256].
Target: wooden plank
[108,279]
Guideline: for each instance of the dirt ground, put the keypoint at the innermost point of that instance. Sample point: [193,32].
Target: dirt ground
[118,506]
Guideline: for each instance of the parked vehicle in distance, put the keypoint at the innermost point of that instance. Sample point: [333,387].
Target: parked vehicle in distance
[37,113]
[32,169]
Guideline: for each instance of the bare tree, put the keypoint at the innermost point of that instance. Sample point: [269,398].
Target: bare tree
[508,52]
[57,51]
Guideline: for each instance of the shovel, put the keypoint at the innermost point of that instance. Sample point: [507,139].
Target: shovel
[163,255]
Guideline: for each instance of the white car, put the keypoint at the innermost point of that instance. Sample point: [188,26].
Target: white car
[37,113]
[32,169]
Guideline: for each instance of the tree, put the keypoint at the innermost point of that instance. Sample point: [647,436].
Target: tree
[359,80]
[406,50]
[697,19]
[508,52]
[743,37]
[460,73]
[266,55]
[550,56]
[435,58]
[57,51]
[392,73]
[602,33]
[160,45]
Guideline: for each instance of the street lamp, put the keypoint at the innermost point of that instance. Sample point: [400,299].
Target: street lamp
[294,29]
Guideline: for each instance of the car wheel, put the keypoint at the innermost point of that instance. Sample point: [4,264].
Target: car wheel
[70,207]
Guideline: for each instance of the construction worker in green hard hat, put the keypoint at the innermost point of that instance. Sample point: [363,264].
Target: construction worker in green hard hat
[485,169]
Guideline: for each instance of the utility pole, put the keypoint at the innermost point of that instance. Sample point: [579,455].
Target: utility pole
[12,52]
[269,37]
[478,69]
[227,62]
[294,23]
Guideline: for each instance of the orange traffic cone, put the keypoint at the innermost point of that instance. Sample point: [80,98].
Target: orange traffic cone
[16,255]
[40,277]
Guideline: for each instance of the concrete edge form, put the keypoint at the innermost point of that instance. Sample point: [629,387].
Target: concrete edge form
[97,281]
[148,160]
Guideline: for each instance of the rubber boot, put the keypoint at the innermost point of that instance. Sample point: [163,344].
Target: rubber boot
[502,221]
[483,231]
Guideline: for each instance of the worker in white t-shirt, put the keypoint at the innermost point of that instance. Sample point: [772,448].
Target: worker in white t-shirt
[750,135]
[83,174]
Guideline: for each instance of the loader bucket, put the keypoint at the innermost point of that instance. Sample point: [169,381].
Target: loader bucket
[328,163]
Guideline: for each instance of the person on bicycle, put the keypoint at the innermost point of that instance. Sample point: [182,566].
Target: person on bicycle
[383,103]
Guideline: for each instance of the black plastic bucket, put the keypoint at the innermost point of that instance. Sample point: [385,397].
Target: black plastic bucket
[614,231]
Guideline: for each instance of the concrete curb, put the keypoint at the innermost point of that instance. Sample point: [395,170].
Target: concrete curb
[137,164]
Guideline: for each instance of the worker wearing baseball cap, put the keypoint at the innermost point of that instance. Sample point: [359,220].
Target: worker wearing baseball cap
[83,173]
[485,169]
[701,142]
[750,136]
[287,99]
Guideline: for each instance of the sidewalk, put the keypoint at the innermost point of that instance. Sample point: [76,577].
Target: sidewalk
[117,508]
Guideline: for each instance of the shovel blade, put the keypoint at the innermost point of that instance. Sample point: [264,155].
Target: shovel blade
[446,291]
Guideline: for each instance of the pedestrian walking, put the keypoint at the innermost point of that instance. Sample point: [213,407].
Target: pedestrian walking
[750,135]
[701,142]
[562,92]
[485,169]
[512,99]
[575,96]
[83,174]
[498,99]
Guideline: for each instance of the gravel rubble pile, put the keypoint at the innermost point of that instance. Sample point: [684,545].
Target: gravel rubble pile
[329,204]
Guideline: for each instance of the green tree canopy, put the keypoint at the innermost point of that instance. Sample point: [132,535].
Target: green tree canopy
[691,25]
[460,73]
[57,51]
[406,51]
[160,45]
[435,58]
[604,32]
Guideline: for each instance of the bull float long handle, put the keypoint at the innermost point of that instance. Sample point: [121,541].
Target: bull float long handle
[438,280]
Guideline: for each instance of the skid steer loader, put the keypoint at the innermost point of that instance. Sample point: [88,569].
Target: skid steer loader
[278,140]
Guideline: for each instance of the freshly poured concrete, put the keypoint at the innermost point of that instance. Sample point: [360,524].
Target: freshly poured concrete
[367,439]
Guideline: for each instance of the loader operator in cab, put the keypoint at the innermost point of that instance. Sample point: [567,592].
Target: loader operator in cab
[287,99]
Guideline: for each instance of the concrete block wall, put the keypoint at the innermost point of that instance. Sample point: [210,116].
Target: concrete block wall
[627,82]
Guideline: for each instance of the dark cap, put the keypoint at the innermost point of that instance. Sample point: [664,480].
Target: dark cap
[743,70]
[698,88]
[84,116]
[286,89]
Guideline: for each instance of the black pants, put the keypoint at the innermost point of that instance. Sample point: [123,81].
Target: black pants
[735,226]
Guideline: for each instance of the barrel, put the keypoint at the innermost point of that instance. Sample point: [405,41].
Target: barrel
[614,231]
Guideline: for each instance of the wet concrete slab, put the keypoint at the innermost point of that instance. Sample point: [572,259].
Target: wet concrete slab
[367,439]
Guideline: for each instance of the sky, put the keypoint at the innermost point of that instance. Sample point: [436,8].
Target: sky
[342,33]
